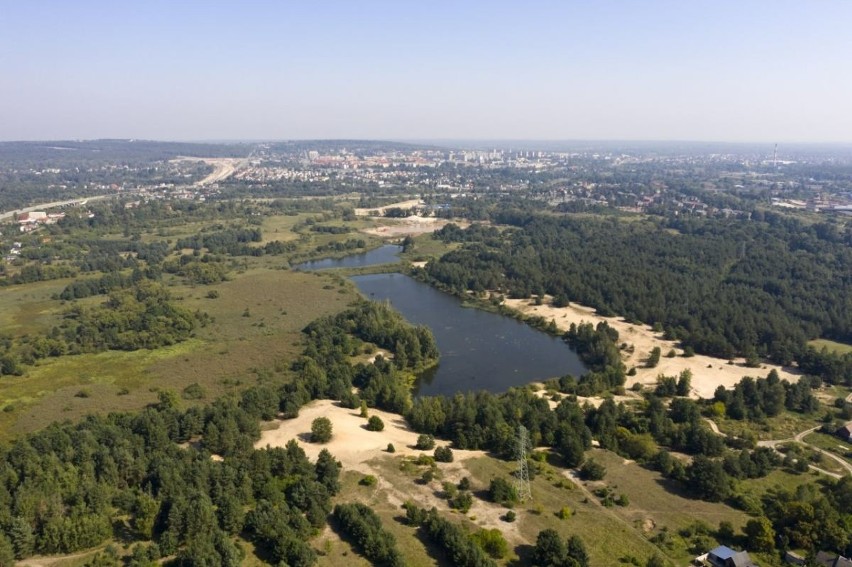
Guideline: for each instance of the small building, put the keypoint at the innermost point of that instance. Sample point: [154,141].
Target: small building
[845,432]
[826,559]
[724,556]
[32,217]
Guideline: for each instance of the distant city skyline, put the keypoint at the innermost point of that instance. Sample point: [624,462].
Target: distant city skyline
[755,72]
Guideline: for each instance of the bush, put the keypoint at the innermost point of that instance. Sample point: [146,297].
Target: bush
[425,443]
[509,516]
[592,470]
[368,480]
[501,491]
[391,448]
[321,430]
[193,392]
[375,423]
[491,542]
[654,358]
[462,501]
[361,524]
[444,454]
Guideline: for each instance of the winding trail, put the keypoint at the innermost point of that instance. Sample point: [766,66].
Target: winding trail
[797,438]
[800,439]
[574,477]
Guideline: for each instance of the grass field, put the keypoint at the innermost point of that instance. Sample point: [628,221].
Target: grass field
[256,329]
[832,444]
[29,308]
[839,348]
[784,426]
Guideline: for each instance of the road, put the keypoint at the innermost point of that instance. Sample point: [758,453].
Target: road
[51,205]
[800,438]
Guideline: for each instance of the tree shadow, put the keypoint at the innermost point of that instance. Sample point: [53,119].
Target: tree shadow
[524,553]
[121,532]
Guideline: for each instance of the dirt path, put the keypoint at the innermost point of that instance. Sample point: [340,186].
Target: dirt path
[46,561]
[573,476]
[714,427]
[799,438]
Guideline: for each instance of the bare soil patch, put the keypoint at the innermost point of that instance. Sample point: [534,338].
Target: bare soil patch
[708,372]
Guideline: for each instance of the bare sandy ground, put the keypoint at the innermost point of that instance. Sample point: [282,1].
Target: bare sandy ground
[707,372]
[351,443]
[381,210]
[364,451]
[413,225]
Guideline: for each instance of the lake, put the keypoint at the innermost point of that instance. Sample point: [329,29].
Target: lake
[386,254]
[479,350]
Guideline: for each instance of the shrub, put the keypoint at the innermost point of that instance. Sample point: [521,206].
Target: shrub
[592,470]
[509,516]
[321,430]
[193,392]
[462,501]
[368,480]
[501,491]
[375,423]
[425,442]
[491,542]
[391,448]
[444,454]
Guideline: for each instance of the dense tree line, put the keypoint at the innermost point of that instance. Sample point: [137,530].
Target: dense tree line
[139,317]
[78,289]
[721,287]
[766,397]
[360,524]
[460,548]
[63,488]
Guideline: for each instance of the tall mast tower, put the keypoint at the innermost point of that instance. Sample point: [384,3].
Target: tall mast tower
[522,479]
[775,156]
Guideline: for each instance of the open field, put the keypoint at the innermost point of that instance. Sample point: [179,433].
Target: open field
[832,444]
[783,426]
[708,373]
[28,308]
[257,322]
[833,346]
[655,503]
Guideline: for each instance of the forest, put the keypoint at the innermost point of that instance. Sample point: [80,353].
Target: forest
[720,287]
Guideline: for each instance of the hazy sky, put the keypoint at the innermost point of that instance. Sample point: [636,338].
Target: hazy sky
[739,70]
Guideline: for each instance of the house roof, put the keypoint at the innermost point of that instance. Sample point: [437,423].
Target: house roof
[723,552]
[832,560]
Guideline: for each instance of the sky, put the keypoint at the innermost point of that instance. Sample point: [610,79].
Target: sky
[738,71]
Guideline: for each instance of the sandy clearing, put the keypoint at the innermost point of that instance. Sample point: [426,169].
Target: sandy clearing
[365,451]
[707,372]
[381,210]
[351,443]
[412,225]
